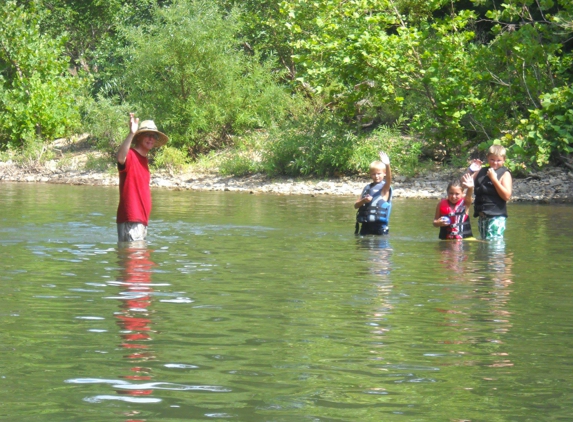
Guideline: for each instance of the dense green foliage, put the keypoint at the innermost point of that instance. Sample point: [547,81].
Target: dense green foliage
[38,97]
[292,86]
[186,71]
[94,43]
[104,120]
[324,146]
[549,129]
[461,76]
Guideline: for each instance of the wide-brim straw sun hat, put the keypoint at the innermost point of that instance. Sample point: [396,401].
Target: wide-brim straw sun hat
[149,126]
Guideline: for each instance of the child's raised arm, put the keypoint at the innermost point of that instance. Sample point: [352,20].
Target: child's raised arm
[468,183]
[386,189]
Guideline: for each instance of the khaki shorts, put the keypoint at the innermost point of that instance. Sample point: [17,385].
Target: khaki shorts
[131,232]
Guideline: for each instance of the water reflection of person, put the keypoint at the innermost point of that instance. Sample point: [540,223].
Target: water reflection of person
[454,257]
[498,262]
[134,316]
[380,252]
[498,266]
[488,268]
[379,260]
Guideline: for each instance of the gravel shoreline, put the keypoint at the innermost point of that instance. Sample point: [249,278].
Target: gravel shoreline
[553,185]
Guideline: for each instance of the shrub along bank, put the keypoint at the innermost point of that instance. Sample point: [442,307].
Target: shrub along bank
[552,185]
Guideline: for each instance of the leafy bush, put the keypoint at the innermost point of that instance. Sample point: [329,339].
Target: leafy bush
[105,119]
[169,158]
[245,156]
[548,130]
[240,164]
[33,154]
[310,145]
[97,163]
[188,70]
[38,96]
[321,145]
[404,152]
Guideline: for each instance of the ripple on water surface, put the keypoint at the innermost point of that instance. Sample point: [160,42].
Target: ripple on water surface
[254,307]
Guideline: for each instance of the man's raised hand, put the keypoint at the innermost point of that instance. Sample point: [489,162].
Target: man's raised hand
[133,123]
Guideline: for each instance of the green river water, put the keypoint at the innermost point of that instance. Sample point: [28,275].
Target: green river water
[268,308]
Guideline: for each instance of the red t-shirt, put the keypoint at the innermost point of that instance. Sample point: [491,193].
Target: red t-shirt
[134,193]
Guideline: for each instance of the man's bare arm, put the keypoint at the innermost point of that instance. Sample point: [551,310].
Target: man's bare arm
[126,144]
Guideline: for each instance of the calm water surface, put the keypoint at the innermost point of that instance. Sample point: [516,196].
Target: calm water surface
[268,308]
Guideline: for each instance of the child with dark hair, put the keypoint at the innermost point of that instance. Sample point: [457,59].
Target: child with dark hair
[452,213]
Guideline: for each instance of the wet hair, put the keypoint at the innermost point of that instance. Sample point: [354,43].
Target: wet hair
[378,165]
[455,183]
[498,150]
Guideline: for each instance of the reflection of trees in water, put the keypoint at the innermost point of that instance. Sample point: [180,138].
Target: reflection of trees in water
[486,269]
[134,317]
[451,320]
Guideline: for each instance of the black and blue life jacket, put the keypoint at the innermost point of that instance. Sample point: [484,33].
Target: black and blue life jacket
[378,210]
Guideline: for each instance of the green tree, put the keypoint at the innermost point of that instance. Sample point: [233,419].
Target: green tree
[548,132]
[264,31]
[532,73]
[463,73]
[370,61]
[188,71]
[93,43]
[38,96]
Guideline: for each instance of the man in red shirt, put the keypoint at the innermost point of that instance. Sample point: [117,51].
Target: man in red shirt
[134,193]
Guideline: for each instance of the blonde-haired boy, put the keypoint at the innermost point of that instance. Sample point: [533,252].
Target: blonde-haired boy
[493,188]
[374,203]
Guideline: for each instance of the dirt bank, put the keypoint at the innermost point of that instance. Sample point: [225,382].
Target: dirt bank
[550,186]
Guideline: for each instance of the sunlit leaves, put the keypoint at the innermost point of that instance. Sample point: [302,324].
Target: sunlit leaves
[190,73]
[549,129]
[38,96]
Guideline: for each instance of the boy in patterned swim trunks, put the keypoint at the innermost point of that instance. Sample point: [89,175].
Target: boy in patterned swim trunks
[493,188]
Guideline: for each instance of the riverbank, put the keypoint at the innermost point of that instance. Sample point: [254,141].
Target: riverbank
[553,185]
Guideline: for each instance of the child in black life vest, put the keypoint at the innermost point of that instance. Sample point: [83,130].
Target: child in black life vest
[452,213]
[493,188]
[374,204]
